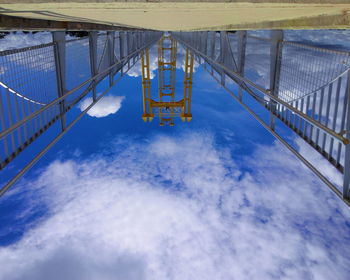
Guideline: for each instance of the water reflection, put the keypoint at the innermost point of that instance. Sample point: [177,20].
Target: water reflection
[168,105]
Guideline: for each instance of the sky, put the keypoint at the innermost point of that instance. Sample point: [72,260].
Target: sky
[216,198]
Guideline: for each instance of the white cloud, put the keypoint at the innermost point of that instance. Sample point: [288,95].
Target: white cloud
[179,208]
[106,106]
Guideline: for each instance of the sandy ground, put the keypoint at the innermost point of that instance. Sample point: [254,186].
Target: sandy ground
[175,16]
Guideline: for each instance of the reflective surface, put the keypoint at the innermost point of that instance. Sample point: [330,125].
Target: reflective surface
[215,198]
[168,106]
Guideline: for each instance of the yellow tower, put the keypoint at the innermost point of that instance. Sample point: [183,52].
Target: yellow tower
[166,108]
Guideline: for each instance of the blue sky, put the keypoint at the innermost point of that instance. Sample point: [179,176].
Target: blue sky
[216,198]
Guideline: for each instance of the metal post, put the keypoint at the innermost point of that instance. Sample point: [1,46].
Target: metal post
[134,46]
[346,183]
[226,55]
[110,54]
[128,45]
[205,43]
[121,48]
[275,68]
[60,65]
[241,46]
[223,54]
[212,42]
[93,58]
[121,44]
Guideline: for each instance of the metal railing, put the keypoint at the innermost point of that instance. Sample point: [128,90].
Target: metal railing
[303,88]
[40,85]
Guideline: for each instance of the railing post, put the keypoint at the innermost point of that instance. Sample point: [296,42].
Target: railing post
[93,58]
[121,44]
[59,40]
[213,44]
[110,54]
[346,183]
[223,54]
[205,42]
[128,45]
[226,55]
[134,47]
[241,46]
[122,48]
[212,40]
[275,69]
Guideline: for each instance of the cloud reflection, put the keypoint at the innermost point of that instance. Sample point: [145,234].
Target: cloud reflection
[106,106]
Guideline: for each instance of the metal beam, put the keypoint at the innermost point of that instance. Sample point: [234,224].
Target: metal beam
[346,183]
[93,58]
[241,46]
[275,70]
[223,55]
[60,65]
[122,42]
[110,54]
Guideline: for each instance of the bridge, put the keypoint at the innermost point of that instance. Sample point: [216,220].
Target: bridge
[302,90]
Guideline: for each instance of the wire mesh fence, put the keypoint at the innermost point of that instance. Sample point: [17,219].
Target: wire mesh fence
[306,69]
[77,64]
[233,42]
[30,72]
[101,49]
[257,60]
[27,83]
[13,110]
